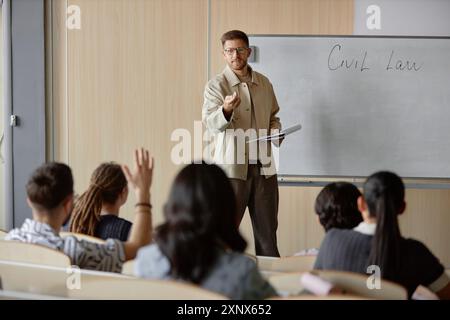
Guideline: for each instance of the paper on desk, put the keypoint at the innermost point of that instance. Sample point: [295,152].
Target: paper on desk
[278,135]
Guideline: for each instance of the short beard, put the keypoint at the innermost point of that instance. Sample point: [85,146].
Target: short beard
[243,66]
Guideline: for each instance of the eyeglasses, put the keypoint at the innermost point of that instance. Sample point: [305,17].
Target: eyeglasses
[230,51]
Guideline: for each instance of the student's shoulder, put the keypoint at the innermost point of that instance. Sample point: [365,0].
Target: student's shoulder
[114,220]
[412,243]
[418,254]
[415,247]
[335,235]
[13,235]
[151,262]
[150,251]
[236,267]
[237,261]
[73,244]
[111,217]
[332,235]
[123,221]
[342,233]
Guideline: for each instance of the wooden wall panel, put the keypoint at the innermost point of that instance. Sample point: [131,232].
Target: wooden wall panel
[427,218]
[277,17]
[299,227]
[135,72]
[2,122]
[57,147]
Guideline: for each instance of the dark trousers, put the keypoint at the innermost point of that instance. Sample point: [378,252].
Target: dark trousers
[260,195]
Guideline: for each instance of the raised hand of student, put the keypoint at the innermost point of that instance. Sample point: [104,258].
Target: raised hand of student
[141,178]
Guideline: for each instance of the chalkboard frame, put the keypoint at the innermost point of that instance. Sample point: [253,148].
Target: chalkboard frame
[322,180]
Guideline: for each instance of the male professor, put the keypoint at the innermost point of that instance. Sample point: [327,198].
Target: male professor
[236,100]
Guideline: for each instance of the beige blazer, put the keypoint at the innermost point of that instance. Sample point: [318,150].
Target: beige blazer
[228,150]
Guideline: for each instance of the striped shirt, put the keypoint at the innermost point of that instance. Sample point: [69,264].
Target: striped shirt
[87,255]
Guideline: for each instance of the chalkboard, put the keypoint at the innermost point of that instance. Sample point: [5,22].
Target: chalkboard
[365,103]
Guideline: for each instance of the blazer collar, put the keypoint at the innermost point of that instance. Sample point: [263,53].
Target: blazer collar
[233,79]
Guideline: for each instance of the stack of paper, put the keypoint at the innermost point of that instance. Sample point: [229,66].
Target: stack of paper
[279,135]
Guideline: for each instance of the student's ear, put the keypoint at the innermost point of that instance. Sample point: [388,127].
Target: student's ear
[125,191]
[402,208]
[30,204]
[362,205]
[124,195]
[68,203]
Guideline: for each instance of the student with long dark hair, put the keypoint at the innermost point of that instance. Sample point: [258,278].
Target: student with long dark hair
[377,241]
[199,242]
[96,211]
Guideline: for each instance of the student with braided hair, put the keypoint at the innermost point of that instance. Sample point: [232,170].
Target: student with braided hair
[96,212]
[50,197]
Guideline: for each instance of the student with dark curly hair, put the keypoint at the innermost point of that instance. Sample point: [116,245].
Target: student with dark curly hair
[336,206]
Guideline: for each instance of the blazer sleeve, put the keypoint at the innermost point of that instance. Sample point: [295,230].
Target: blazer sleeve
[212,112]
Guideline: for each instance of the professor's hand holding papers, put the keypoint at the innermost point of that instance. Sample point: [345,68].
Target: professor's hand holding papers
[279,135]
